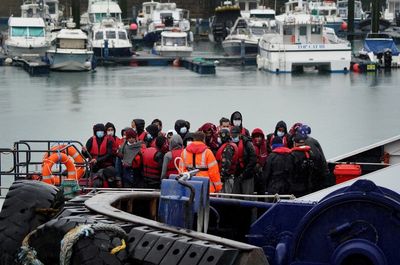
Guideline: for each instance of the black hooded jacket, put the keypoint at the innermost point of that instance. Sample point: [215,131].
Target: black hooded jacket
[237,114]
[107,159]
[249,159]
[280,124]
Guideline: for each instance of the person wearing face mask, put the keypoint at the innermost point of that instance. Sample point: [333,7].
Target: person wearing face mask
[175,150]
[110,130]
[244,174]
[152,133]
[260,147]
[182,128]
[280,131]
[130,154]
[210,130]
[152,164]
[99,149]
[198,156]
[237,120]
[227,157]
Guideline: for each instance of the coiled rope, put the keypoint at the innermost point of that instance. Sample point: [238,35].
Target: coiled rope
[80,231]
[27,255]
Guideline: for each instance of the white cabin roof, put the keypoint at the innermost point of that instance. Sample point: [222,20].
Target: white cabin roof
[299,19]
[262,11]
[104,7]
[173,34]
[72,34]
[26,22]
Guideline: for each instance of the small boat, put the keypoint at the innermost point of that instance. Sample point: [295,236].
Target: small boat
[222,21]
[164,17]
[173,44]
[328,11]
[302,42]
[26,37]
[382,49]
[71,51]
[99,10]
[110,38]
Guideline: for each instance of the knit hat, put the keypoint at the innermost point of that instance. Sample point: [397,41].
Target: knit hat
[130,133]
[299,138]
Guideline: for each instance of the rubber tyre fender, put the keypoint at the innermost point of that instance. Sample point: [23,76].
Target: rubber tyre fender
[47,239]
[96,250]
[19,216]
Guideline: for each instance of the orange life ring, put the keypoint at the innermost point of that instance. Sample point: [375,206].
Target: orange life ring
[55,158]
[72,151]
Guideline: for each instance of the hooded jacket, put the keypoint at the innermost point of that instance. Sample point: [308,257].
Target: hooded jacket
[271,136]
[278,171]
[198,156]
[261,149]
[140,129]
[243,130]
[103,160]
[176,148]
[211,141]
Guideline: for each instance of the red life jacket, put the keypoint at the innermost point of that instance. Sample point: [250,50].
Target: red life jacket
[114,143]
[284,140]
[96,151]
[171,169]
[142,136]
[151,168]
[305,149]
[261,152]
[235,157]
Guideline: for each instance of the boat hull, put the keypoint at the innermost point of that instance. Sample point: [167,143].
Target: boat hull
[60,61]
[173,53]
[291,58]
[18,51]
[113,52]
[234,48]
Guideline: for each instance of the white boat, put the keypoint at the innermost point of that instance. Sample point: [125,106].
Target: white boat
[243,38]
[26,37]
[165,16]
[46,9]
[377,44]
[343,10]
[99,10]
[173,44]
[144,16]
[328,11]
[392,7]
[72,52]
[301,42]
[110,38]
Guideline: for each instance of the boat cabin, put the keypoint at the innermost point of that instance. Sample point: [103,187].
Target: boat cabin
[325,8]
[21,27]
[100,10]
[34,8]
[301,29]
[343,11]
[266,13]
[71,39]
[174,39]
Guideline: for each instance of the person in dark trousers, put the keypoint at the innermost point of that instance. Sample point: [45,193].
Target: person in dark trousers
[99,148]
[280,131]
[260,146]
[227,158]
[130,154]
[278,170]
[237,120]
[176,148]
[247,159]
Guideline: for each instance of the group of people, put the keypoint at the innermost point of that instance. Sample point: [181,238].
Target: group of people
[284,161]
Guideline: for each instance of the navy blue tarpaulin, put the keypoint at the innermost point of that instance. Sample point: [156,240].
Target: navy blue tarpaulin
[380,46]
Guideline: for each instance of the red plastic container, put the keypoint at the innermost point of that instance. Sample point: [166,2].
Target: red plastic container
[345,172]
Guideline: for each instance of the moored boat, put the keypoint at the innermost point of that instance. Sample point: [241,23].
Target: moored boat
[173,44]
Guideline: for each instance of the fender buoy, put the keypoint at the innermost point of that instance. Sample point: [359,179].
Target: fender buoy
[356,68]
[343,26]
[176,62]
[55,158]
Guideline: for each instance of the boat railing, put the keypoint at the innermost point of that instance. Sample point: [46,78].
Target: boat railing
[25,159]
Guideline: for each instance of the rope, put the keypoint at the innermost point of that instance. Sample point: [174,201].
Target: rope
[27,255]
[81,231]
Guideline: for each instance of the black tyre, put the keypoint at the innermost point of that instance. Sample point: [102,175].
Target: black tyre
[47,239]
[96,250]
[25,208]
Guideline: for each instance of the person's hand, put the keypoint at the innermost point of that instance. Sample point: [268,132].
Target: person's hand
[119,184]
[93,161]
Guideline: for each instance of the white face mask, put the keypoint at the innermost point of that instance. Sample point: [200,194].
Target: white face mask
[183,130]
[237,122]
[219,140]
[280,134]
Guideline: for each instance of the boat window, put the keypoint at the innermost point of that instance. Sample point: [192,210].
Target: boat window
[111,35]
[315,29]
[70,44]
[303,30]
[175,41]
[122,35]
[288,30]
[265,16]
[164,15]
[333,12]
[52,7]
[323,12]
[148,10]
[99,35]
[19,31]
[258,31]
[36,32]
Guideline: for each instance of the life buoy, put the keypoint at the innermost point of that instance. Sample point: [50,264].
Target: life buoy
[72,151]
[55,158]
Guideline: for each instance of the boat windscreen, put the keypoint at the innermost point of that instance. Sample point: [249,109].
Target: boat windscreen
[264,16]
[174,41]
[19,31]
[111,34]
[122,35]
[36,32]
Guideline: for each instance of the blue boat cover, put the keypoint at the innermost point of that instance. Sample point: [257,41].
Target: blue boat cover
[380,45]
